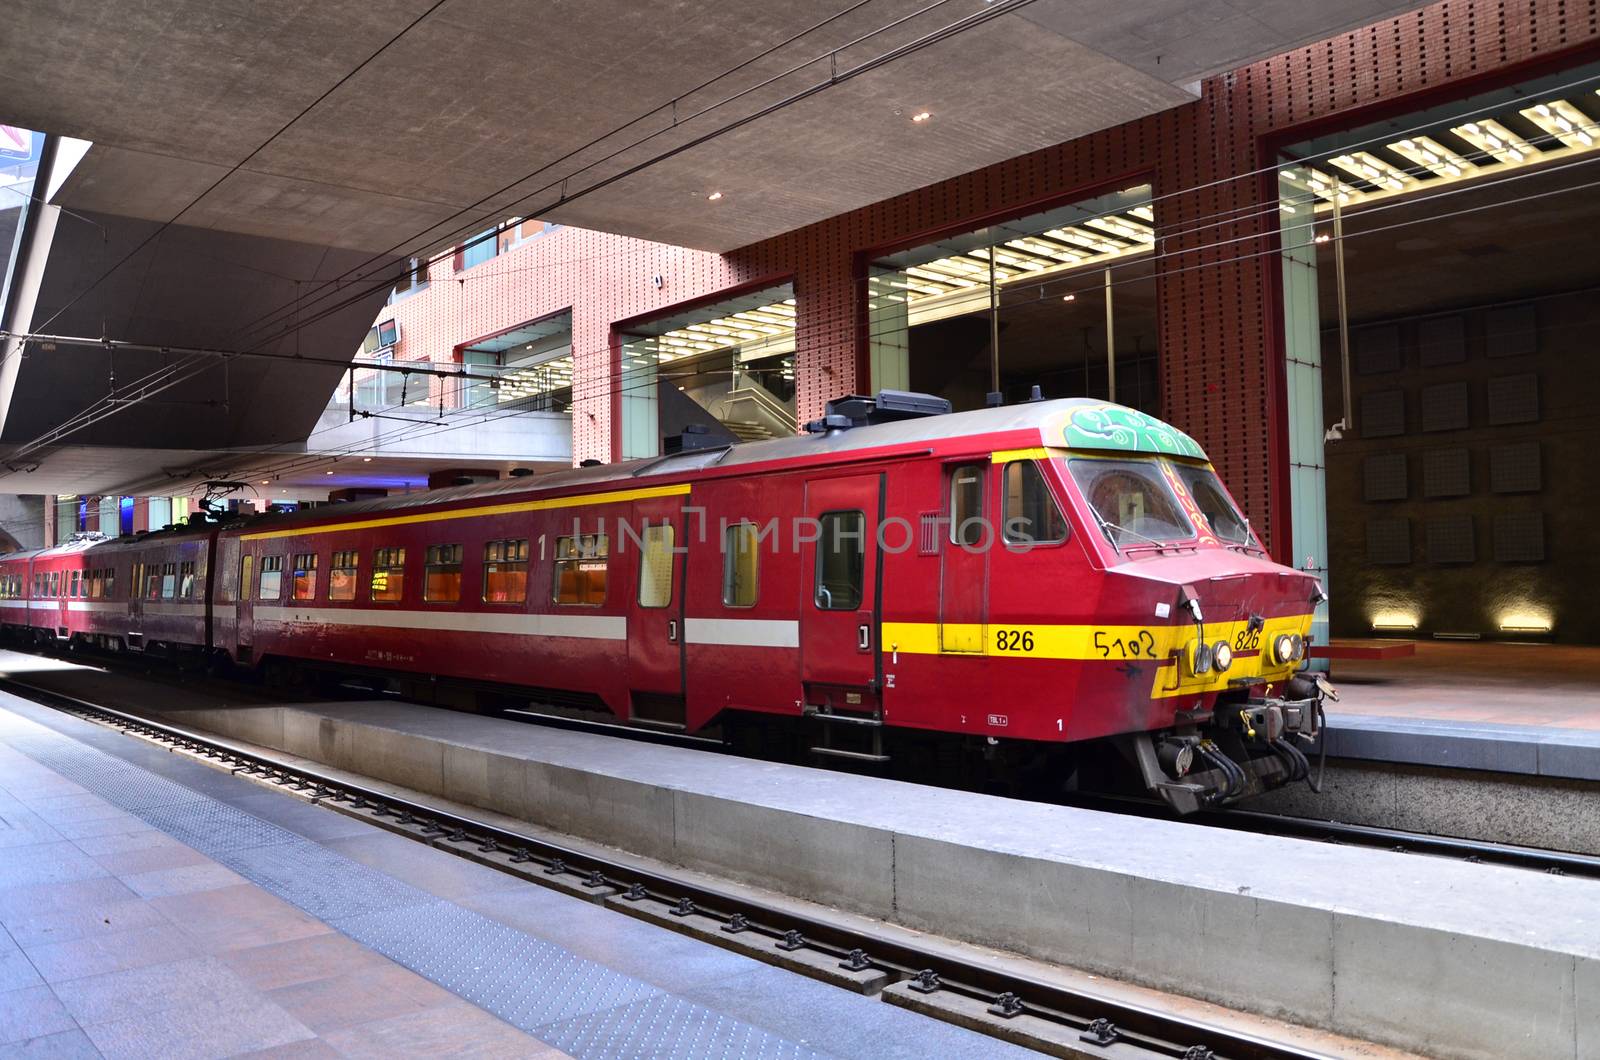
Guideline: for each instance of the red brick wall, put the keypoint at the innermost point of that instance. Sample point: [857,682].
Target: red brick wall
[1217,285]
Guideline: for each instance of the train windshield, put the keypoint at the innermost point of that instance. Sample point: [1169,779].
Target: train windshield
[1221,516]
[1132,501]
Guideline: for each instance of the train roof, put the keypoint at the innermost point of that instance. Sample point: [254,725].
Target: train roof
[1080,423]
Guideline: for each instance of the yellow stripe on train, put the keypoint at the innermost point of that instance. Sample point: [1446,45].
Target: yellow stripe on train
[1159,645]
[580,500]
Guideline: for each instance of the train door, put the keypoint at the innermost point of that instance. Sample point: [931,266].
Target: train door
[135,591]
[658,549]
[243,618]
[964,557]
[839,616]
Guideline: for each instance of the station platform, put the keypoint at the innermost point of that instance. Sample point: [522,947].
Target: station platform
[1531,709]
[152,907]
[1443,957]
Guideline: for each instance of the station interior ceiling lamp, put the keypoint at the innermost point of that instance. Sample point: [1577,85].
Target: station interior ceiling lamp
[1480,146]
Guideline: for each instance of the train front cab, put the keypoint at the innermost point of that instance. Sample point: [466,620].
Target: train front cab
[1204,634]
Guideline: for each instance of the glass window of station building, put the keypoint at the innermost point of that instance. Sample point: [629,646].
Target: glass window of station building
[528,368]
[726,368]
[1062,299]
[1440,316]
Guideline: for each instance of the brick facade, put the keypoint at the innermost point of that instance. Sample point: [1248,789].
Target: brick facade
[1216,215]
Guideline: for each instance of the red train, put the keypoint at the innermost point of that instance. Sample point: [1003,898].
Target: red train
[1033,580]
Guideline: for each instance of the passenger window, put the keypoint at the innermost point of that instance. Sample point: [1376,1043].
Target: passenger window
[73,592]
[655,567]
[740,565]
[1032,516]
[305,576]
[271,577]
[967,527]
[841,561]
[342,575]
[388,575]
[111,582]
[152,581]
[169,581]
[55,583]
[580,569]
[186,580]
[505,571]
[441,574]
[245,569]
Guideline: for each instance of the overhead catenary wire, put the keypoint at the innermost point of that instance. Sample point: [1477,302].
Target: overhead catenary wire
[162,382]
[108,406]
[1221,219]
[612,381]
[429,427]
[1182,192]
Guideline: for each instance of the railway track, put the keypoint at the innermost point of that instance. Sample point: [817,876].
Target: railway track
[1533,859]
[1047,1016]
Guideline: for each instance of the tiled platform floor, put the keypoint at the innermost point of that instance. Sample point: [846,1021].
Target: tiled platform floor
[119,940]
[1546,685]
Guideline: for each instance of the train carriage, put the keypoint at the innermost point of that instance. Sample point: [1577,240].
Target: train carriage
[1054,575]
[152,591]
[16,591]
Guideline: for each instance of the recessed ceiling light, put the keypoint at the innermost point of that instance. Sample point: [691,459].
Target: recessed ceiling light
[1323,238]
[921,116]
[714,196]
[366,460]
[266,482]
[327,472]
[1069,298]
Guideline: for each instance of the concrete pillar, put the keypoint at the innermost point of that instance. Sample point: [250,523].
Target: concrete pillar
[109,515]
[23,520]
[1308,472]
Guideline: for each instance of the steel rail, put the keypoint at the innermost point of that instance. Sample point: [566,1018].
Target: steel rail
[1096,1021]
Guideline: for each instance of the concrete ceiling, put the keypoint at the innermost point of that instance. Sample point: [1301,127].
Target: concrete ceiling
[481,93]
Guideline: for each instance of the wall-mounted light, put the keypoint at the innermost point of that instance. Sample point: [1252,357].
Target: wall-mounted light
[1322,238]
[1394,621]
[1525,620]
[1069,298]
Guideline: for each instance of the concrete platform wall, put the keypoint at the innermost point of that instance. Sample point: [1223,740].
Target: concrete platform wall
[1548,812]
[1440,957]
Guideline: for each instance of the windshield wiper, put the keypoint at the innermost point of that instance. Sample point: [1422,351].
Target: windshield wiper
[1107,524]
[1248,544]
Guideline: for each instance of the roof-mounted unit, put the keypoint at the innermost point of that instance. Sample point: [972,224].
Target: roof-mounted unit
[890,405]
[695,436]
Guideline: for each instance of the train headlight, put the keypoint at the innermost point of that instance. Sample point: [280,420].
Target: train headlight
[1299,647]
[1283,651]
[1221,656]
